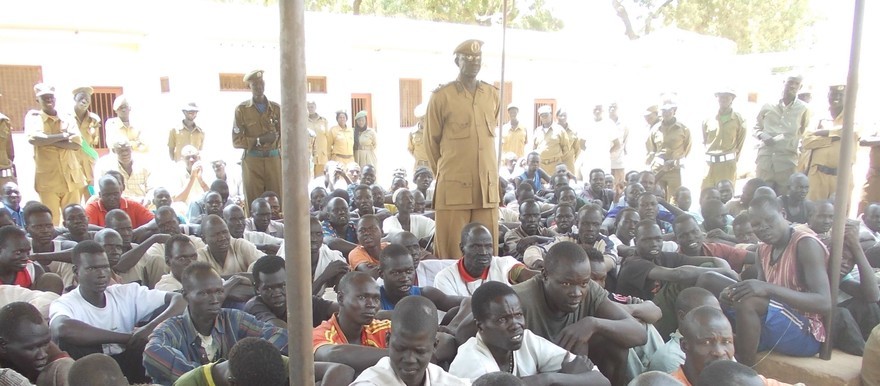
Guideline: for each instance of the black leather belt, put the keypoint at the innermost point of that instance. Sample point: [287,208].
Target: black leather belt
[826,170]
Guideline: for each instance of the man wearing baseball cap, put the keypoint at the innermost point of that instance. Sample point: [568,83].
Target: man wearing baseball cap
[188,133]
[59,178]
[723,137]
[460,132]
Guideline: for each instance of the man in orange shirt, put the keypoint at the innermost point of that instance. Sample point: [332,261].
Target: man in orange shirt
[109,198]
[365,257]
[353,336]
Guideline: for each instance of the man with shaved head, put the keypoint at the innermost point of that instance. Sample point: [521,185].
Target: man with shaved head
[397,272]
[26,346]
[77,224]
[135,265]
[730,373]
[692,242]
[478,265]
[209,203]
[155,260]
[96,370]
[236,221]
[365,257]
[410,349]
[110,198]
[670,357]
[797,208]
[261,219]
[354,336]
[227,255]
[706,337]
[655,378]
[340,233]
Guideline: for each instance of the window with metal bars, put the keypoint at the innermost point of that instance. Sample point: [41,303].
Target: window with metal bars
[233,82]
[410,97]
[17,89]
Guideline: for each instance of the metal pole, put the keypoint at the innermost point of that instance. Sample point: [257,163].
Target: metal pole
[844,176]
[294,164]
[503,63]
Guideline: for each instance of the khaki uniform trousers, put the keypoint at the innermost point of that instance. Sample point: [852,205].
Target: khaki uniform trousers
[776,174]
[870,191]
[822,185]
[57,201]
[319,170]
[670,181]
[260,175]
[449,223]
[719,171]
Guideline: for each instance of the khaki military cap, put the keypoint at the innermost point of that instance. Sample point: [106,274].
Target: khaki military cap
[41,89]
[87,90]
[837,88]
[253,75]
[544,110]
[470,47]
[653,109]
[512,106]
[119,102]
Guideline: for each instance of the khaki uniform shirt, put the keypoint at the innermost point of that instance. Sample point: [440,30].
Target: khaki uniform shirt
[87,126]
[250,123]
[667,142]
[416,144]
[513,139]
[460,133]
[824,151]
[552,143]
[789,121]
[241,255]
[182,136]
[56,170]
[115,128]
[341,142]
[320,150]
[724,134]
[5,138]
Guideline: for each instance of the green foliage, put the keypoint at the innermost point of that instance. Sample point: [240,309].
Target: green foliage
[754,25]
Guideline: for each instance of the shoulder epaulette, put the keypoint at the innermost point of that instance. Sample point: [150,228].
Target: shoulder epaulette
[443,85]
[490,85]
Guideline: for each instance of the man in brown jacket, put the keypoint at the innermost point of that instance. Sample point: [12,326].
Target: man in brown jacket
[460,139]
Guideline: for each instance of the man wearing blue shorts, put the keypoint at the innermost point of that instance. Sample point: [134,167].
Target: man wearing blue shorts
[781,310]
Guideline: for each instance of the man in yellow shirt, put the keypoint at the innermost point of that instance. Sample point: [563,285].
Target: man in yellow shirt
[416,142]
[723,137]
[340,140]
[257,130]
[550,140]
[120,127]
[669,142]
[821,149]
[188,133]
[59,178]
[89,125]
[514,135]
[320,150]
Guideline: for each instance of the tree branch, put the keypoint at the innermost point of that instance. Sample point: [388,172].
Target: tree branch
[356,7]
[653,15]
[624,17]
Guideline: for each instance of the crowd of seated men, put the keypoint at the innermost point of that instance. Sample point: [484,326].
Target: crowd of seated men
[589,283]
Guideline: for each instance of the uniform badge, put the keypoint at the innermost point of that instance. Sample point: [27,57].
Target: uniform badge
[236,130]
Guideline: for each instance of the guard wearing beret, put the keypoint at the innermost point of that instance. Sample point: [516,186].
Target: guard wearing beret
[460,128]
[59,178]
[120,126]
[821,149]
[723,137]
[257,130]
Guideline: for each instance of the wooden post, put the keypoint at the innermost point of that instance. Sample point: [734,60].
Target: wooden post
[844,170]
[294,167]
[503,108]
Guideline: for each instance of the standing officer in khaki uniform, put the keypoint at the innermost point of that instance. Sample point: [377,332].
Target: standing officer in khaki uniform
[779,129]
[416,140]
[821,155]
[257,130]
[550,140]
[460,129]
[514,135]
[90,132]
[7,152]
[320,150]
[723,137]
[340,140]
[120,126]
[59,178]
[669,142]
[188,133]
[575,144]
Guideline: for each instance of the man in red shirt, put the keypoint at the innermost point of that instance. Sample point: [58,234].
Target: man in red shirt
[110,197]
[692,242]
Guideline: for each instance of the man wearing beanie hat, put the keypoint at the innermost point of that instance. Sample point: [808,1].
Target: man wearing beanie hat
[59,178]
[460,141]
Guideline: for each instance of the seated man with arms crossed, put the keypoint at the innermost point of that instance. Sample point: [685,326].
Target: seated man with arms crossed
[205,332]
